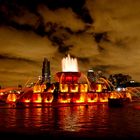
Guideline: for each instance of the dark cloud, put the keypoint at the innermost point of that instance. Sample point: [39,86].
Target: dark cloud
[100,36]
[25,13]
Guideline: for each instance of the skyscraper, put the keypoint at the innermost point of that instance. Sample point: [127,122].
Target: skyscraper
[91,75]
[46,74]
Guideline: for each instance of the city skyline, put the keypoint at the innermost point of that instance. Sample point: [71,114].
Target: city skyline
[103,35]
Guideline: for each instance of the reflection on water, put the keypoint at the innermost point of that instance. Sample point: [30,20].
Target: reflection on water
[92,120]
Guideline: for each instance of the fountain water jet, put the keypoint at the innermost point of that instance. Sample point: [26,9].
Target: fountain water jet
[69,64]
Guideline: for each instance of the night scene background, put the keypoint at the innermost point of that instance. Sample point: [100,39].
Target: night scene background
[101,34]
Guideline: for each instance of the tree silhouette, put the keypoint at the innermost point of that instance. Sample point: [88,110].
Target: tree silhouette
[119,79]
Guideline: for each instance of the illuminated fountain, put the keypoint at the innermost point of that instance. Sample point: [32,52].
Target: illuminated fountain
[71,91]
[71,87]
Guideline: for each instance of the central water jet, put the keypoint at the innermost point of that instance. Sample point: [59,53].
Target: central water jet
[69,64]
[70,73]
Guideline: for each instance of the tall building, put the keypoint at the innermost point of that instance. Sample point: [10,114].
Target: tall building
[91,75]
[46,74]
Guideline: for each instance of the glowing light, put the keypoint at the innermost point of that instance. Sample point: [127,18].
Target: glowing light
[92,97]
[128,95]
[63,87]
[11,97]
[69,64]
[1,93]
[27,100]
[83,87]
[48,100]
[115,95]
[74,88]
[37,88]
[61,100]
[103,97]
[43,87]
[81,99]
[37,98]
[51,90]
[119,89]
[99,86]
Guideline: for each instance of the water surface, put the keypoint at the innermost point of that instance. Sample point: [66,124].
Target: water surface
[95,121]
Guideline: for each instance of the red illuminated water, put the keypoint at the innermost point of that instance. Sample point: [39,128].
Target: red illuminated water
[96,121]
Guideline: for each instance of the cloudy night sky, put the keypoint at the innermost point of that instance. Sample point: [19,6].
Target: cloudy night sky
[101,34]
